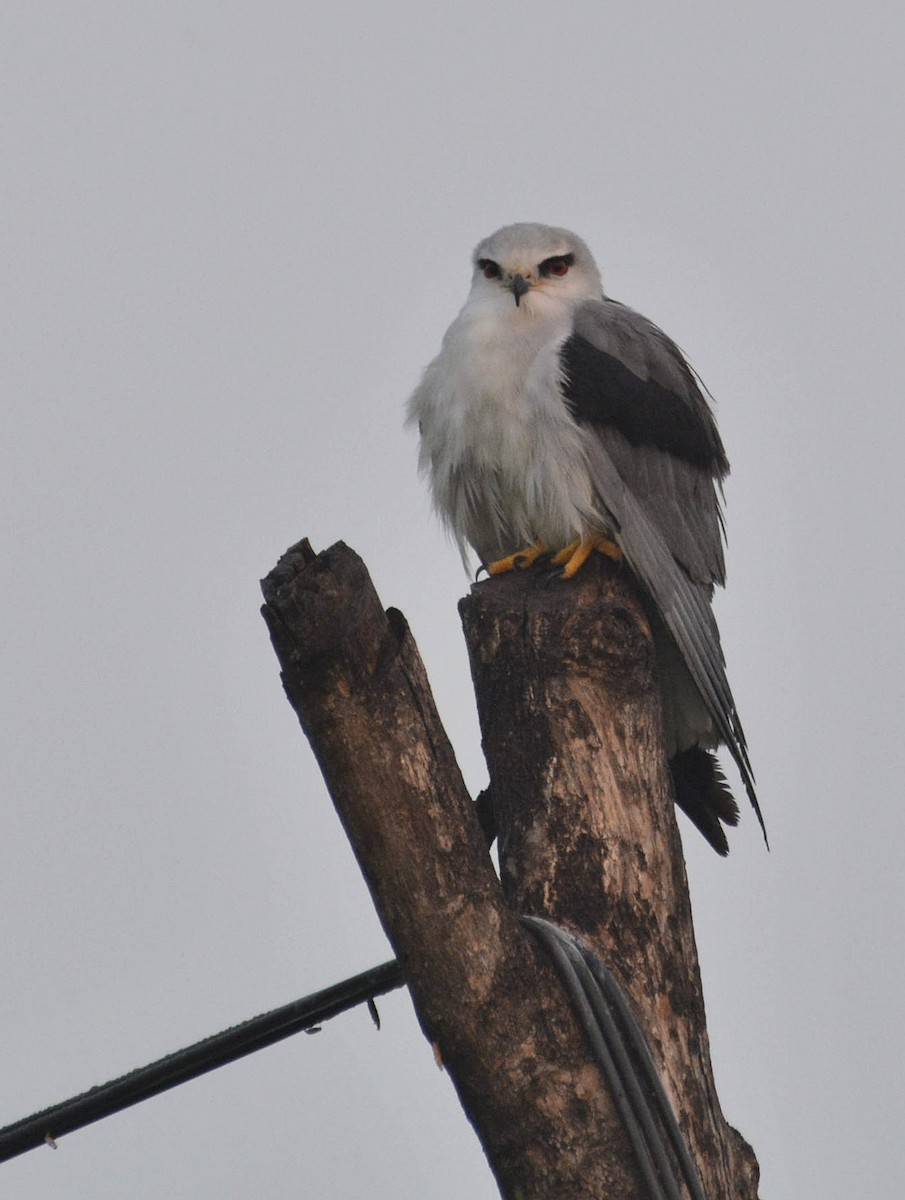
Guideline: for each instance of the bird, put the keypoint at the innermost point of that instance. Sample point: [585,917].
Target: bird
[556,423]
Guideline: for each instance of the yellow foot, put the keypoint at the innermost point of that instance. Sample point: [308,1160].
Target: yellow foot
[572,558]
[519,561]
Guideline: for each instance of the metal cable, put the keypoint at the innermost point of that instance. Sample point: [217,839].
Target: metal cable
[570,966]
[635,1035]
[621,1049]
[144,1082]
[603,1011]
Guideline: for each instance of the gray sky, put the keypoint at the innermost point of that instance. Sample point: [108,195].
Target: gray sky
[233,235]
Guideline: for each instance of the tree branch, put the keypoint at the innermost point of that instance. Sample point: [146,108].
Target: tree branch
[587,838]
[570,718]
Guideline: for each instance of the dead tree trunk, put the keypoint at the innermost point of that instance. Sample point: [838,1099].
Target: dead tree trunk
[563,674]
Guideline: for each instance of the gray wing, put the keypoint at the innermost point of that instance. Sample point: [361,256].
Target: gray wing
[629,382]
[679,498]
[656,459]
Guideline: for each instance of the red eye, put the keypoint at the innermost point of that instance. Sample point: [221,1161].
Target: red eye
[557,265]
[490,268]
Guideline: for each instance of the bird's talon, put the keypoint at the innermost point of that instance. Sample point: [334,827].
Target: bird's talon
[572,558]
[562,557]
[519,561]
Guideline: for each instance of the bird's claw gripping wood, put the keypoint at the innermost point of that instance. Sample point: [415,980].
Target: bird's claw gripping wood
[573,557]
[519,561]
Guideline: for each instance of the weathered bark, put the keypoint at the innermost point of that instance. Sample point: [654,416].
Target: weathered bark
[587,838]
[570,718]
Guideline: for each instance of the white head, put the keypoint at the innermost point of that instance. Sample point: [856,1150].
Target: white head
[534,267]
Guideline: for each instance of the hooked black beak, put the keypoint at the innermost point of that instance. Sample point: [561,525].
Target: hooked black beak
[518,287]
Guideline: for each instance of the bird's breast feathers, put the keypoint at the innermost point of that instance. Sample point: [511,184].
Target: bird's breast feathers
[506,460]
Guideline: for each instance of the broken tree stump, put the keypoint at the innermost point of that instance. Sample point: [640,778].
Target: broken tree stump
[588,839]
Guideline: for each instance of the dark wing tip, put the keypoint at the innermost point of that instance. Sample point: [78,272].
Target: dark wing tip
[703,794]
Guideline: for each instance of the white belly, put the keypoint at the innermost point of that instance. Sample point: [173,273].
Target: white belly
[507,463]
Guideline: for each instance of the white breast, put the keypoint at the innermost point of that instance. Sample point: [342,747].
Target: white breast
[506,462]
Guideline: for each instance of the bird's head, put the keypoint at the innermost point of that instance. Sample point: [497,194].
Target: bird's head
[534,268]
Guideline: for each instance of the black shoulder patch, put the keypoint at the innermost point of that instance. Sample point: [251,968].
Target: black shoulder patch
[600,390]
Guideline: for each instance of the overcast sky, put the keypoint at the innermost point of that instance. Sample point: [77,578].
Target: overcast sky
[233,235]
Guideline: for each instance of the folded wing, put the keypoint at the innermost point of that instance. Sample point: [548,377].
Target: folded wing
[657,463]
